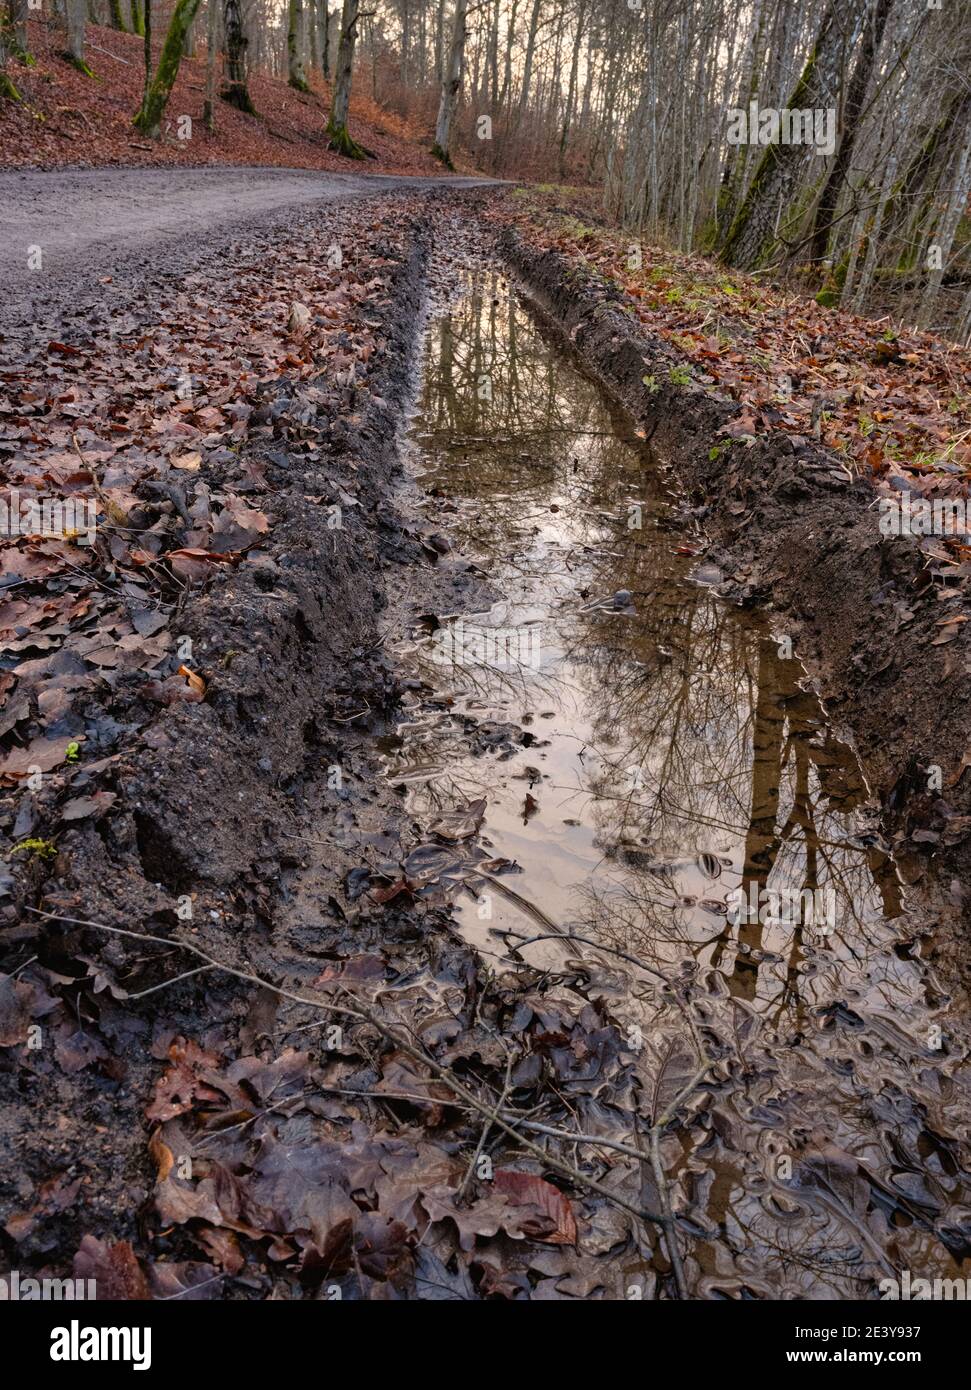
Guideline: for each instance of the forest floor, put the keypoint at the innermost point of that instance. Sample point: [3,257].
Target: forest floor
[271,1057]
[896,405]
[67,119]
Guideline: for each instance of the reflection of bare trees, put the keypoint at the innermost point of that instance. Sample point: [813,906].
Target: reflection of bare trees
[726,746]
[499,395]
[707,768]
[685,747]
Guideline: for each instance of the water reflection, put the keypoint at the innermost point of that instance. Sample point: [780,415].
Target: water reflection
[672,759]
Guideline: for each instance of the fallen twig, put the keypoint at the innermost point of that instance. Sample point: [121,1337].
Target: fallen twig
[364,1014]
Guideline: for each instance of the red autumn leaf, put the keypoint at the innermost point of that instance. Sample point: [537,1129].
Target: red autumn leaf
[554,1222]
[393,890]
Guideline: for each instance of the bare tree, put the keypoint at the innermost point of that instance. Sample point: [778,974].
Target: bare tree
[752,235]
[8,90]
[149,116]
[324,14]
[338,134]
[19,42]
[76,12]
[296,77]
[852,112]
[451,85]
[212,52]
[236,90]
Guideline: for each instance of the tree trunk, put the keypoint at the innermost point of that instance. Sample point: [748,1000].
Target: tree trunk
[117,19]
[944,233]
[19,43]
[149,117]
[451,85]
[439,40]
[296,77]
[507,57]
[860,81]
[736,162]
[313,35]
[77,11]
[752,235]
[572,90]
[8,92]
[528,60]
[146,33]
[337,132]
[325,39]
[405,42]
[492,59]
[209,105]
[236,92]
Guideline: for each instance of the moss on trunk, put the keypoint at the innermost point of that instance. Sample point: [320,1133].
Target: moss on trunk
[149,116]
[79,63]
[340,140]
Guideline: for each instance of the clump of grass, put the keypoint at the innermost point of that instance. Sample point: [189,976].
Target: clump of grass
[37,849]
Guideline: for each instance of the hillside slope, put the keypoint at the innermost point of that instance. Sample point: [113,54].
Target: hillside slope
[68,119]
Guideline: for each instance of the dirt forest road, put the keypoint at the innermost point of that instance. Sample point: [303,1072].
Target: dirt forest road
[255,779]
[89,222]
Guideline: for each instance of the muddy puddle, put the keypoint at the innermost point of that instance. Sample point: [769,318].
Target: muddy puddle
[650,777]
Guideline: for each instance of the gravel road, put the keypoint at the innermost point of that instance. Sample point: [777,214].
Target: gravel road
[91,221]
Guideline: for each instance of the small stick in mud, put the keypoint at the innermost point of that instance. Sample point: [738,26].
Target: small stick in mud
[492,1113]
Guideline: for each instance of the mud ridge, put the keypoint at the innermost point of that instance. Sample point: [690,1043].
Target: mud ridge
[790,528]
[208,794]
[212,784]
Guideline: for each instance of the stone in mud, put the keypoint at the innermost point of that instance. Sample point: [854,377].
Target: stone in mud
[299,318]
[708,574]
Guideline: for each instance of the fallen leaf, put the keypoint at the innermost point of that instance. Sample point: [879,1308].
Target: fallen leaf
[195,681]
[80,807]
[554,1222]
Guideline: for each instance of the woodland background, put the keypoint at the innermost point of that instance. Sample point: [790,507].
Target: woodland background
[623,103]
